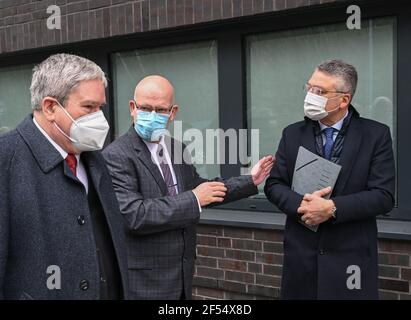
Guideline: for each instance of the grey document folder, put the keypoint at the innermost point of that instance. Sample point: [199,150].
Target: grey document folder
[313,173]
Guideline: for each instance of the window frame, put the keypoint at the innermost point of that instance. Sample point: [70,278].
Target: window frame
[402,49]
[230,36]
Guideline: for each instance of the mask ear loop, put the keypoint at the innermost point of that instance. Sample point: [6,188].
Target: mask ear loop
[66,112]
[59,129]
[64,134]
[335,98]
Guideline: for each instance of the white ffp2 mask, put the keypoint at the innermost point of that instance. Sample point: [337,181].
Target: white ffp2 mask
[88,132]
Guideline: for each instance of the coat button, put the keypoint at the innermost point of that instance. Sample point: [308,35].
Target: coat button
[81,220]
[84,285]
[322,252]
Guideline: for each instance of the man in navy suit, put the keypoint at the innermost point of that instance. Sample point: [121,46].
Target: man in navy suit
[340,260]
[61,231]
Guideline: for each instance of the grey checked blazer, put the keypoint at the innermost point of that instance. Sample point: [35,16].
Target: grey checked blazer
[160,229]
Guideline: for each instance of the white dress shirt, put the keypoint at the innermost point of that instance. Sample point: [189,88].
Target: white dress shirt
[337,126]
[81,171]
[153,147]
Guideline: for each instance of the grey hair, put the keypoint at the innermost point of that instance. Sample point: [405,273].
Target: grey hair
[342,70]
[59,74]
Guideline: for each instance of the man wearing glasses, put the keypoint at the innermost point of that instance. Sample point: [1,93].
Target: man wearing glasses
[340,260]
[161,197]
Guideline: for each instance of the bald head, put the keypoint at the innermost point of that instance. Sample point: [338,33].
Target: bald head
[155,91]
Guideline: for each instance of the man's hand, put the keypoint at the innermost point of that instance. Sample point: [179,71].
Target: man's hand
[314,209]
[322,193]
[209,192]
[262,169]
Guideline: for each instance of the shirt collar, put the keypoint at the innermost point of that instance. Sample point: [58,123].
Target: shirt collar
[152,146]
[338,125]
[63,153]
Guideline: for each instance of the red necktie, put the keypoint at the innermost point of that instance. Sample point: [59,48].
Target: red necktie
[72,162]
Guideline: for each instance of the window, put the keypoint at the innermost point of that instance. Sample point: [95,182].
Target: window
[191,68]
[14,96]
[278,64]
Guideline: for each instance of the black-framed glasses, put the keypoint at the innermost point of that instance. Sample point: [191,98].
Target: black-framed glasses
[319,91]
[159,109]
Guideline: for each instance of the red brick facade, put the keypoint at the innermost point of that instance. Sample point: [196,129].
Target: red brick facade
[23,23]
[239,263]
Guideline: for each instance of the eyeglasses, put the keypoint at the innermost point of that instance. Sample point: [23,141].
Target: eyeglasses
[147,108]
[318,91]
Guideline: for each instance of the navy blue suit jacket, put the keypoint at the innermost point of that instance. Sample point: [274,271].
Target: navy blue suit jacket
[315,264]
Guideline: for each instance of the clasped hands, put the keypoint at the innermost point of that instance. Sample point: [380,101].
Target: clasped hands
[315,209]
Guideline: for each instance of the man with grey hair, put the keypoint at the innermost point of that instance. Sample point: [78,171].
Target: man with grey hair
[61,233]
[340,259]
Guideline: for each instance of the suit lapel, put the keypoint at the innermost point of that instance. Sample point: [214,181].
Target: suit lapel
[94,173]
[352,144]
[148,162]
[145,157]
[308,139]
[42,150]
[69,174]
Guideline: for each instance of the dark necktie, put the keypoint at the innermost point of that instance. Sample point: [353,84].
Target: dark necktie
[329,142]
[72,163]
[165,168]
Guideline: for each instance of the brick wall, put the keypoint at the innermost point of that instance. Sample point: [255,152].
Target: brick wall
[238,263]
[23,22]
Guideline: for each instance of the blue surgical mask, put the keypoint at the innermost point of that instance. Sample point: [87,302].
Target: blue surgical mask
[150,126]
